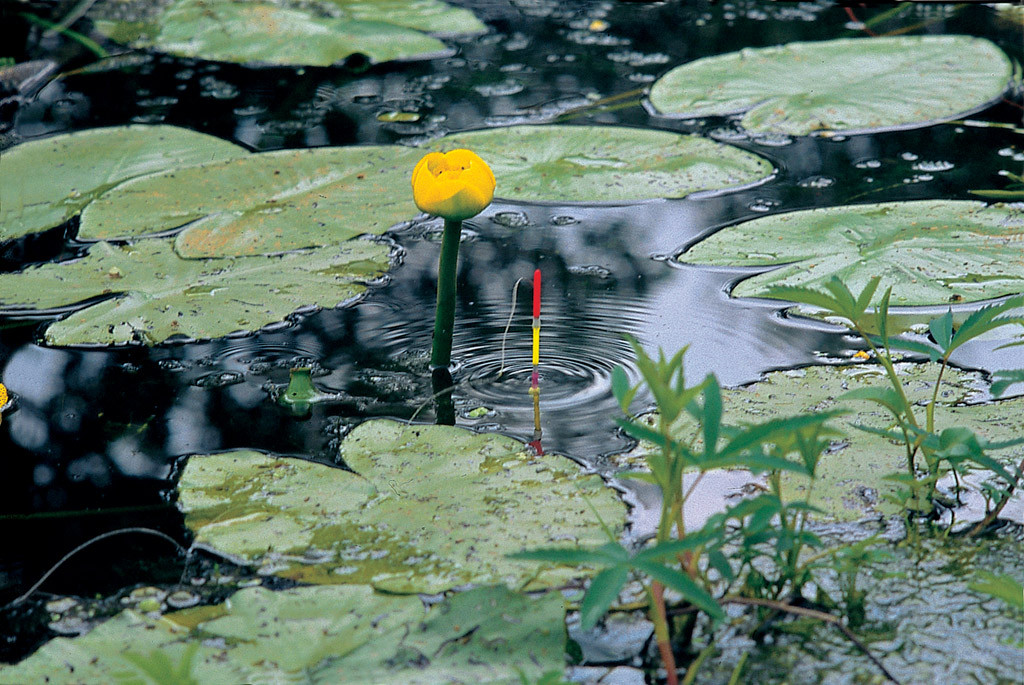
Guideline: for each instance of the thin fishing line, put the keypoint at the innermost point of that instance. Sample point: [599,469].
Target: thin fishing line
[76,550]
[508,325]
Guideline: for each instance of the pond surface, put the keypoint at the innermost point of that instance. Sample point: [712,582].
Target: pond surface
[97,433]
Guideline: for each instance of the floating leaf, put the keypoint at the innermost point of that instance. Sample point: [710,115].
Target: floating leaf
[848,85]
[338,635]
[159,294]
[45,182]
[931,251]
[433,507]
[605,163]
[264,203]
[485,635]
[290,33]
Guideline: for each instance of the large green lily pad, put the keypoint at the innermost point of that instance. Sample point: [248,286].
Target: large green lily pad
[264,203]
[294,32]
[931,251]
[433,507]
[849,84]
[605,163]
[159,294]
[851,481]
[328,635]
[45,182]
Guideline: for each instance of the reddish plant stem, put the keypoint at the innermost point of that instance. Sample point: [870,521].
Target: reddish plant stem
[853,17]
[660,620]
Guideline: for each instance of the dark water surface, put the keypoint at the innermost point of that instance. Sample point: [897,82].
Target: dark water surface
[93,443]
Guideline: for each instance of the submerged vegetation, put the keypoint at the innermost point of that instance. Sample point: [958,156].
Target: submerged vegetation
[328,536]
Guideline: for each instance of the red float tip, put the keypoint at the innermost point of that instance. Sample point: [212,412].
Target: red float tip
[536,293]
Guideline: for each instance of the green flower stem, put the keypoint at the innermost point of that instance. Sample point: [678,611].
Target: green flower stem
[444,321]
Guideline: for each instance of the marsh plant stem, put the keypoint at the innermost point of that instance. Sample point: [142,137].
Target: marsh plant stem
[444,319]
[661,633]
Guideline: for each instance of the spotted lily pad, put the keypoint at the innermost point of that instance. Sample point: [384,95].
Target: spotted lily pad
[293,32]
[931,251]
[45,182]
[848,85]
[433,507]
[338,635]
[156,294]
[851,482]
[264,203]
[605,163]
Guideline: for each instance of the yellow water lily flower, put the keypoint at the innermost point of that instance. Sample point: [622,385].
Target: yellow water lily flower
[455,185]
[3,395]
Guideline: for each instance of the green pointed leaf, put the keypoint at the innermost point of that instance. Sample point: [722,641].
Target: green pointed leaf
[804,295]
[264,203]
[605,163]
[848,306]
[603,590]
[904,345]
[684,585]
[1003,587]
[989,318]
[864,299]
[156,294]
[1004,379]
[639,431]
[712,418]
[720,563]
[886,396]
[45,182]
[887,82]
[930,251]
[289,33]
[756,434]
[621,388]
[671,548]
[433,507]
[882,319]
[941,329]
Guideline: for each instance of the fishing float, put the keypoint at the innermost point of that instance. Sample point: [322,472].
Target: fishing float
[535,377]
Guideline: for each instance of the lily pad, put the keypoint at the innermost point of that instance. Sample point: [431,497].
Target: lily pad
[45,182]
[342,634]
[433,507]
[931,252]
[264,203]
[605,163]
[851,481]
[159,294]
[846,85]
[298,33]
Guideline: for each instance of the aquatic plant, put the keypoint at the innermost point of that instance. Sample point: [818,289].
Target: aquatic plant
[952,449]
[455,185]
[751,554]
